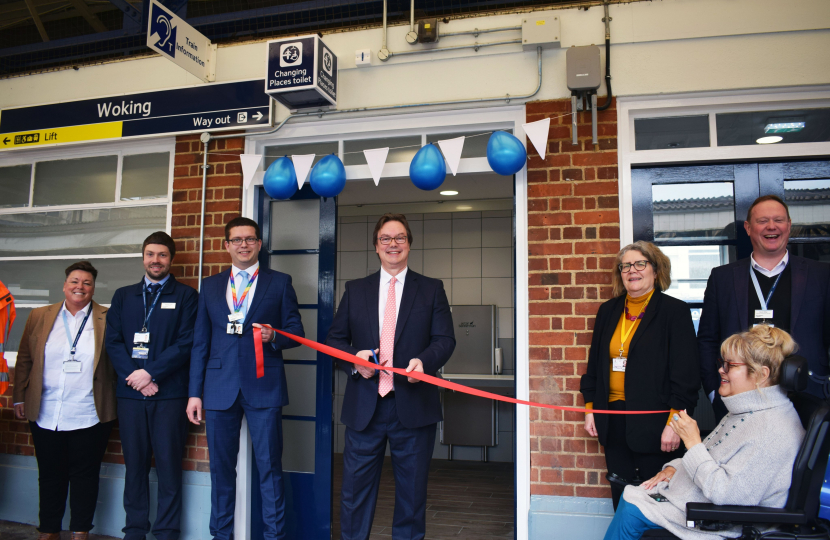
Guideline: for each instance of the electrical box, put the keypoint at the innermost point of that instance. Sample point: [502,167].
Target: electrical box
[541,29]
[583,68]
[363,57]
[428,31]
[302,73]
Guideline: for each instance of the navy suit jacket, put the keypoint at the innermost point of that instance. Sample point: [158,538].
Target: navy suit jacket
[726,312]
[222,364]
[171,338]
[424,330]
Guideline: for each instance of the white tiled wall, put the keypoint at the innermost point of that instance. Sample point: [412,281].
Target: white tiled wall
[472,253]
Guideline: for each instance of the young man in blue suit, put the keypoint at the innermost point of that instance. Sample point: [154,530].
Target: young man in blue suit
[403,318]
[772,287]
[224,381]
[148,339]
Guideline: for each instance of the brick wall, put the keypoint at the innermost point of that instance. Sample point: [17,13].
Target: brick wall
[224,202]
[574,235]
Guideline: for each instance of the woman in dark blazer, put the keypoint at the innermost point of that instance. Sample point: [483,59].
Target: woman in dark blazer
[643,357]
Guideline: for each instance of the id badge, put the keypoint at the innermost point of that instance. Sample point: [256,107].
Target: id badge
[234,328]
[71,366]
[619,364]
[763,314]
[141,337]
[168,305]
[233,317]
[141,353]
[763,324]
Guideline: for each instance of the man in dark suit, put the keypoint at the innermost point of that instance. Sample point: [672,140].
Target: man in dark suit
[223,373]
[771,287]
[149,336]
[405,319]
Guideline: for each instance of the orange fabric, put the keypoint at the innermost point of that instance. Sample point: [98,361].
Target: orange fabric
[7,316]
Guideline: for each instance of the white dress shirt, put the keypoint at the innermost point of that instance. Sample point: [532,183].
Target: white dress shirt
[385,278]
[237,279]
[66,402]
[777,269]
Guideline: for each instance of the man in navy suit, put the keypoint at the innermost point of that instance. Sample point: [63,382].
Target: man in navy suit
[770,287]
[148,339]
[223,373]
[405,319]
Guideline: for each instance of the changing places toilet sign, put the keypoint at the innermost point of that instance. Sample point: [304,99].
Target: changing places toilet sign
[179,42]
[302,73]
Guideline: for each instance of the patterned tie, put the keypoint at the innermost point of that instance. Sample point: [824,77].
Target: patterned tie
[243,309]
[153,288]
[387,340]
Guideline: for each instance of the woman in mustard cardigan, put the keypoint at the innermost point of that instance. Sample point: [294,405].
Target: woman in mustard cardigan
[643,357]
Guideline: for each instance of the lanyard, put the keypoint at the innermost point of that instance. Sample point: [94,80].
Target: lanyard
[764,301]
[237,304]
[624,335]
[152,306]
[73,345]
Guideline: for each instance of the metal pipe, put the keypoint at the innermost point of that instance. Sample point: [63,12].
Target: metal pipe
[475,46]
[411,16]
[477,31]
[594,118]
[573,117]
[205,138]
[383,46]
[607,21]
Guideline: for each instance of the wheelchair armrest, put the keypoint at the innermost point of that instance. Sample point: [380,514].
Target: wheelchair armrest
[743,514]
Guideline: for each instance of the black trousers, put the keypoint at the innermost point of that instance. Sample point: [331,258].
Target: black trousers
[69,459]
[621,460]
[153,429]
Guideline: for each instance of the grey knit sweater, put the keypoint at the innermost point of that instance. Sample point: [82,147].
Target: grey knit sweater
[747,460]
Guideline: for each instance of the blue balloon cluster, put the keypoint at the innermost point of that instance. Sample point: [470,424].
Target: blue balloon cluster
[505,153]
[428,169]
[328,177]
[280,180]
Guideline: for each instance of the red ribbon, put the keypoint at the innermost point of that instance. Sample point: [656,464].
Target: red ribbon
[436,381]
[260,363]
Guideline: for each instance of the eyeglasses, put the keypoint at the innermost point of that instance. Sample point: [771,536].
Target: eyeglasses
[385,240]
[238,241]
[626,267]
[723,364]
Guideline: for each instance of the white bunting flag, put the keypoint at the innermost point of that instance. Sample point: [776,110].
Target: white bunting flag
[302,164]
[537,132]
[376,159]
[250,163]
[451,148]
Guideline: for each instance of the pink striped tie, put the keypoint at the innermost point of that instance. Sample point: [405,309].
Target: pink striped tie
[387,340]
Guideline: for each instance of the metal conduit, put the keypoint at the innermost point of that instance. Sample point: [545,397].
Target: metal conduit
[475,46]
[476,32]
[207,137]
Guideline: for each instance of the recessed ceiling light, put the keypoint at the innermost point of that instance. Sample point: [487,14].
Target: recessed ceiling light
[463,207]
[770,140]
[449,192]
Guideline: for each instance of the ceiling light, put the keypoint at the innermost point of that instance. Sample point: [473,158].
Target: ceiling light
[788,126]
[770,140]
[463,207]
[449,192]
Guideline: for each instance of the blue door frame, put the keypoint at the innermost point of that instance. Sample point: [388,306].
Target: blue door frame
[308,496]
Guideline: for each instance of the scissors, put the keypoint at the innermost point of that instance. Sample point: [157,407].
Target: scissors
[375,357]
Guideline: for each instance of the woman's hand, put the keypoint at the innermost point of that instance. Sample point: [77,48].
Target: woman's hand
[663,476]
[590,426]
[685,426]
[20,411]
[669,441]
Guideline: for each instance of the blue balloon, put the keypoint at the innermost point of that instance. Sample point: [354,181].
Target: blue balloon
[328,177]
[505,153]
[280,180]
[428,169]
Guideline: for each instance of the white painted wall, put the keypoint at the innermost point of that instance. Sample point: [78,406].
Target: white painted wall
[658,47]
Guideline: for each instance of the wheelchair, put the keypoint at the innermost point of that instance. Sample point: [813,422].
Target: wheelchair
[800,518]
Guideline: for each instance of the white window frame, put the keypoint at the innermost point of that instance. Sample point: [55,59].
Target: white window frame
[473,120]
[630,109]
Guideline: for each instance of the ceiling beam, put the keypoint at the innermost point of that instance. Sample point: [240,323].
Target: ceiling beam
[36,18]
[90,17]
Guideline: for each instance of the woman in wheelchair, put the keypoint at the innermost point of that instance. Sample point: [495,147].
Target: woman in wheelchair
[747,460]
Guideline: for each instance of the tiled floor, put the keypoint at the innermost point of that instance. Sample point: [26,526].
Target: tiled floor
[465,499]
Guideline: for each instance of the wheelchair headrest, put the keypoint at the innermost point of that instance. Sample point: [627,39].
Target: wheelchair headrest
[794,374]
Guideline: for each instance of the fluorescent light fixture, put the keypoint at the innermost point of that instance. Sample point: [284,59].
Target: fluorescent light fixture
[449,192]
[463,207]
[770,140]
[784,127]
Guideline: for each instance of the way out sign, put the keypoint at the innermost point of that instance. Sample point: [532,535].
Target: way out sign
[179,42]
[302,73]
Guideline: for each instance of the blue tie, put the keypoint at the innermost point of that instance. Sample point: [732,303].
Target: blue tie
[153,288]
[240,291]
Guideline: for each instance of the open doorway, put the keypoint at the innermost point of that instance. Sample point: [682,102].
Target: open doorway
[467,240]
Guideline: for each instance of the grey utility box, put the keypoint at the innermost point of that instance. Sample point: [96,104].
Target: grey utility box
[475,340]
[541,29]
[583,68]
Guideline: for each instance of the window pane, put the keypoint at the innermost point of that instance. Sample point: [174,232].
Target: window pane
[295,224]
[809,202]
[793,126]
[14,185]
[17,328]
[396,154]
[671,132]
[145,176]
[76,181]
[473,146]
[41,281]
[693,211]
[85,232]
[817,252]
[690,268]
[320,150]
